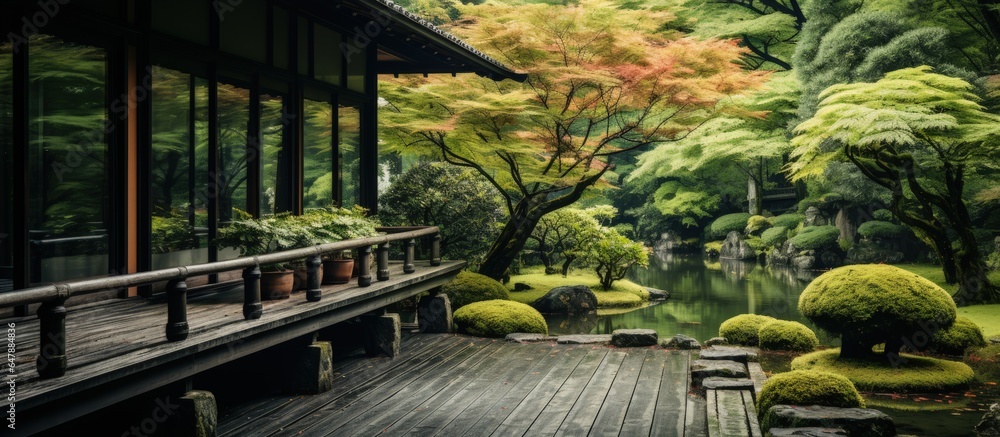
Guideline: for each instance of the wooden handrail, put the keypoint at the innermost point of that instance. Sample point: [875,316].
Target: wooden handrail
[52,360]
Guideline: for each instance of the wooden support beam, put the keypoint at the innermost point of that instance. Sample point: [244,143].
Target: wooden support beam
[51,362]
[252,308]
[177,325]
[436,250]
[383,262]
[408,260]
[365,267]
[313,291]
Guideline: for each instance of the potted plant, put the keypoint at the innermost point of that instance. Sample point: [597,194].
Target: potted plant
[254,237]
[337,224]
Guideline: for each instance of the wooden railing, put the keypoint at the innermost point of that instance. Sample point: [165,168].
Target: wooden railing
[51,362]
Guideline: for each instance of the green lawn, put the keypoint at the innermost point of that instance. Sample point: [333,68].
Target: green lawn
[623,293]
[986,316]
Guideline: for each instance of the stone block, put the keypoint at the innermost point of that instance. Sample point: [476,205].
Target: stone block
[382,334]
[681,341]
[311,369]
[701,369]
[584,339]
[717,341]
[522,337]
[729,353]
[856,421]
[634,337]
[434,314]
[721,383]
[806,432]
[196,414]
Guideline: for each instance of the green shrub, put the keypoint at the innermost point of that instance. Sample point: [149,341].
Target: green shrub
[756,224]
[816,238]
[742,329]
[874,303]
[468,287]
[880,229]
[883,215]
[497,318]
[785,335]
[774,236]
[911,373]
[789,221]
[712,248]
[722,226]
[961,335]
[807,387]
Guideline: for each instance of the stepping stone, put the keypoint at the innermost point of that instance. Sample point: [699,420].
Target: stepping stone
[701,369]
[806,432]
[584,339]
[720,383]
[522,337]
[729,353]
[634,337]
[657,294]
[681,341]
[717,341]
[757,375]
[856,421]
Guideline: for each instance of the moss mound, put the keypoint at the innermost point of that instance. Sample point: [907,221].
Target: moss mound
[756,224]
[774,236]
[880,229]
[816,238]
[807,387]
[787,220]
[875,303]
[742,329]
[787,336]
[962,334]
[497,318]
[912,374]
[468,287]
[722,226]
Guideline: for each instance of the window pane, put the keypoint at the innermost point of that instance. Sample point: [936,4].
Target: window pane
[234,116]
[317,140]
[326,55]
[272,128]
[243,29]
[6,166]
[67,154]
[356,72]
[184,19]
[179,164]
[349,151]
[280,56]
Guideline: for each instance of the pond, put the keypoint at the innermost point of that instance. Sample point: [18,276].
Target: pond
[704,293]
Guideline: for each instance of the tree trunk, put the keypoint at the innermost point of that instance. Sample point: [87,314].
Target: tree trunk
[854,348]
[565,266]
[512,238]
[974,287]
[755,196]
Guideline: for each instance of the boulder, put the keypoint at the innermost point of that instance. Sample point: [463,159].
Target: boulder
[717,341]
[633,337]
[806,432]
[567,300]
[990,424]
[701,369]
[657,294]
[520,286]
[668,242]
[681,341]
[815,217]
[856,421]
[584,339]
[734,247]
[727,353]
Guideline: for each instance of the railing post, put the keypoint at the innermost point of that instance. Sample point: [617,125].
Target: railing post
[408,260]
[365,266]
[436,250]
[252,309]
[51,362]
[177,325]
[383,262]
[313,292]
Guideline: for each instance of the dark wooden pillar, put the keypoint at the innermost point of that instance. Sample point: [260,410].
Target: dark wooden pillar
[51,362]
[252,309]
[177,325]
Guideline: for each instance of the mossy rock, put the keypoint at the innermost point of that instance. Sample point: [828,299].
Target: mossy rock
[961,335]
[786,335]
[712,248]
[875,303]
[468,287]
[756,224]
[908,373]
[774,236]
[807,387]
[877,229]
[497,318]
[789,221]
[722,226]
[742,329]
[816,238]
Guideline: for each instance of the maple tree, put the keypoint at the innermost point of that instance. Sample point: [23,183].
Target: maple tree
[602,81]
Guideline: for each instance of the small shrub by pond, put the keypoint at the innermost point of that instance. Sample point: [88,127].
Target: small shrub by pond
[960,336]
[469,287]
[623,294]
[788,221]
[743,329]
[497,318]
[807,387]
[912,373]
[722,226]
[774,236]
[816,238]
[877,229]
[787,335]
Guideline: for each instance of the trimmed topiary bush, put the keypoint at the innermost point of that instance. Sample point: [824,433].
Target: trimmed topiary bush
[497,318]
[874,303]
[816,238]
[961,335]
[722,226]
[909,373]
[879,229]
[883,215]
[756,224]
[468,287]
[774,236]
[807,387]
[742,329]
[787,336]
[789,221]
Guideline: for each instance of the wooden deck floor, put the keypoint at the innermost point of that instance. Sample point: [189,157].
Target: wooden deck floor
[451,385]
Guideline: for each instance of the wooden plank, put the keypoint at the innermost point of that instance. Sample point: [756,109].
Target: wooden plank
[580,418]
[758,376]
[642,406]
[611,417]
[552,416]
[695,420]
[672,397]
[732,414]
[751,409]
[714,422]
[523,415]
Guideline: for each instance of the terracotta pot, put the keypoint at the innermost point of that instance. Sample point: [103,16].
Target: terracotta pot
[302,278]
[337,271]
[276,285]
